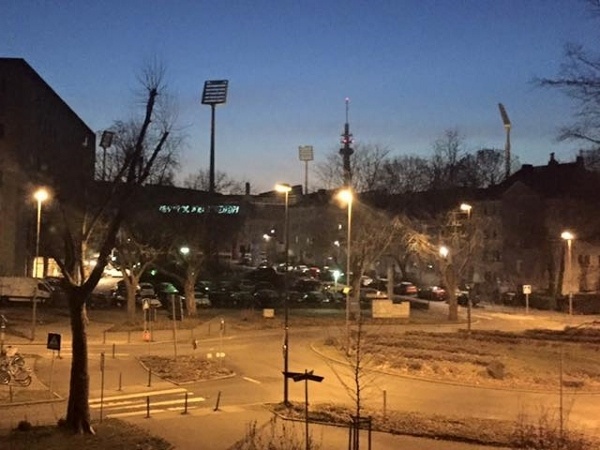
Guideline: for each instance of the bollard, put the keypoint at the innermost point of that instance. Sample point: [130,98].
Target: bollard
[147,407]
[384,403]
[218,401]
[185,404]
[113,351]
[149,377]
[120,384]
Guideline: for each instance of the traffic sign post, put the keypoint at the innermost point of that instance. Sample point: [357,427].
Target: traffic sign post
[306,376]
[53,342]
[526,291]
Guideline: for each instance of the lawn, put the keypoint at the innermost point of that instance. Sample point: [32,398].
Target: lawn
[530,360]
[111,434]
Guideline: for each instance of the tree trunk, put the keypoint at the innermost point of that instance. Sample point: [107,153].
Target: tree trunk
[451,291]
[131,298]
[190,300]
[78,410]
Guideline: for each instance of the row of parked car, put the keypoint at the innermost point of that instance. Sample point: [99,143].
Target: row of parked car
[157,295]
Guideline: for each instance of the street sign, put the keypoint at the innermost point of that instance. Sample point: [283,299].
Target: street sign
[53,342]
[526,289]
[301,376]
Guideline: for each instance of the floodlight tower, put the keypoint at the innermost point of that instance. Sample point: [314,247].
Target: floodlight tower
[507,126]
[215,93]
[346,151]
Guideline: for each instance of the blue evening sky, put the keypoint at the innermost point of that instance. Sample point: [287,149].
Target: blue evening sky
[411,68]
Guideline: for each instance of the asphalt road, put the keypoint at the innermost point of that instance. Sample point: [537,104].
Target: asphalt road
[257,359]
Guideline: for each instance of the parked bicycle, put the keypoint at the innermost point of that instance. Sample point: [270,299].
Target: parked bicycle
[12,367]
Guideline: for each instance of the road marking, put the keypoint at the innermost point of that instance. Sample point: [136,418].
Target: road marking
[140,395]
[251,380]
[132,405]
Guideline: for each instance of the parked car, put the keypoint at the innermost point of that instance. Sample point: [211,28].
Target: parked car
[405,288]
[436,293]
[314,298]
[202,300]
[266,298]
[147,290]
[463,296]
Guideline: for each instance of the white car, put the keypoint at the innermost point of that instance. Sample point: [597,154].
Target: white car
[202,300]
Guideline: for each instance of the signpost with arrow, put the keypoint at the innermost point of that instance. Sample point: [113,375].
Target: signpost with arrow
[306,377]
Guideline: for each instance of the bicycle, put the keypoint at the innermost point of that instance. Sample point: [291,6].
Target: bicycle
[12,366]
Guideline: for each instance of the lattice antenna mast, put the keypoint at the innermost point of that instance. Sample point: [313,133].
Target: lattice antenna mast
[507,126]
[346,151]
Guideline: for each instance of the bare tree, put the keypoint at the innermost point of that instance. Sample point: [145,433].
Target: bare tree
[223,183]
[136,252]
[366,164]
[579,78]
[445,164]
[95,221]
[404,174]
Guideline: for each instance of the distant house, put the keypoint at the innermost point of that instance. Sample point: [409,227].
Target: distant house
[43,143]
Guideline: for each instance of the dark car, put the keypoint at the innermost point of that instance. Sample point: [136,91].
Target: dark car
[405,288]
[266,298]
[314,298]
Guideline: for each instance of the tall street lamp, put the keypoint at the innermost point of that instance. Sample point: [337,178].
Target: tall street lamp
[568,236]
[346,196]
[285,189]
[41,195]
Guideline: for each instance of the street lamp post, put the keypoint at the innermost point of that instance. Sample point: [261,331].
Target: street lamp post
[285,189]
[41,195]
[346,196]
[568,236]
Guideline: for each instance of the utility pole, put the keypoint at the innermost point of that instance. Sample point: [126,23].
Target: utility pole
[346,151]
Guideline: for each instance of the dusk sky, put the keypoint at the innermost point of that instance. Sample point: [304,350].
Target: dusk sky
[411,68]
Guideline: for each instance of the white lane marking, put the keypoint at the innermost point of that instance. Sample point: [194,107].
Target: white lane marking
[140,394]
[251,380]
[132,405]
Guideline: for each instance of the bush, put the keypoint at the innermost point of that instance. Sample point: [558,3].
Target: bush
[24,425]
[545,433]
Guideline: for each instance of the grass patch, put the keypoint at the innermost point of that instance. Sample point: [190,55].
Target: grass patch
[185,368]
[111,434]
[523,432]
[529,359]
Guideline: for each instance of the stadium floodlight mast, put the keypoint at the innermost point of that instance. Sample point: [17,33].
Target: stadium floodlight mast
[507,127]
[105,142]
[215,93]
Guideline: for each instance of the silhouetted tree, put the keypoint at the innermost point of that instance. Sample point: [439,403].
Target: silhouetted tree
[223,183]
[96,222]
[579,78]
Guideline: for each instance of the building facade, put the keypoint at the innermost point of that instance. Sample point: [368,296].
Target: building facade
[43,143]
